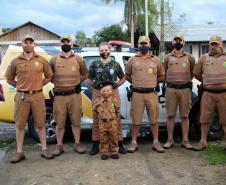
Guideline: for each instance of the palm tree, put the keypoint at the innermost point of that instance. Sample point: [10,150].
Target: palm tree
[129,14]
[133,13]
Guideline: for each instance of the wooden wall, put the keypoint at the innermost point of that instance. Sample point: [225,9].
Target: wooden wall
[30,29]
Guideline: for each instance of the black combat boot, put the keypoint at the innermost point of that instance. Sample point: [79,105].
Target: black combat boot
[122,149]
[95,148]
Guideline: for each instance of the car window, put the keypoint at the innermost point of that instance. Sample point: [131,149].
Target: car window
[90,59]
[125,59]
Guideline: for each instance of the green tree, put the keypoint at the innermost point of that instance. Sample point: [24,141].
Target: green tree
[80,38]
[134,14]
[112,32]
[5,30]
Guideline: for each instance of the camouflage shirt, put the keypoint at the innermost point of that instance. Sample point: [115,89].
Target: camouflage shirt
[100,72]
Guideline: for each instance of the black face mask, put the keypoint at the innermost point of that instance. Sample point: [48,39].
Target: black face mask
[144,49]
[177,45]
[66,48]
[104,55]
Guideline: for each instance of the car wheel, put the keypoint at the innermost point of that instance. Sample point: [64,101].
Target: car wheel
[216,131]
[50,125]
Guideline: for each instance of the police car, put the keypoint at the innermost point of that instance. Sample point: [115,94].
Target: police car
[90,55]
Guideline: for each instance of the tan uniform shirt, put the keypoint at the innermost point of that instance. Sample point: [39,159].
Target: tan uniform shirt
[181,67]
[144,71]
[219,71]
[67,71]
[29,73]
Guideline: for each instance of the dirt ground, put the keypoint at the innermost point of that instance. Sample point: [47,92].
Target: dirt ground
[145,167]
[175,167]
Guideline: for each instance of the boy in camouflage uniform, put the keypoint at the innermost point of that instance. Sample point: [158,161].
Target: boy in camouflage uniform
[106,108]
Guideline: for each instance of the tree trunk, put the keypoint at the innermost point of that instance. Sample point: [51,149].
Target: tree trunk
[132,23]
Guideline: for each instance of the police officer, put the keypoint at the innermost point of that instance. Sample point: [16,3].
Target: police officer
[143,71]
[26,74]
[178,67]
[100,71]
[211,71]
[69,72]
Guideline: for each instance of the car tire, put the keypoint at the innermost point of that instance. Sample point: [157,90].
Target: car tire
[50,125]
[216,131]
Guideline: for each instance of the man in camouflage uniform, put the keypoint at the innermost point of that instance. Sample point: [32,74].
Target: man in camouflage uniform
[211,71]
[100,71]
[26,74]
[178,67]
[106,108]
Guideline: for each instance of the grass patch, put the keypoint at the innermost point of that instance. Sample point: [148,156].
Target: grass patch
[6,143]
[216,153]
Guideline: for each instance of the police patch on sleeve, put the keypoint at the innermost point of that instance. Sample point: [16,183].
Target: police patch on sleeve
[224,64]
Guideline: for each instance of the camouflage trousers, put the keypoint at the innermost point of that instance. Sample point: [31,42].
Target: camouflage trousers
[108,132]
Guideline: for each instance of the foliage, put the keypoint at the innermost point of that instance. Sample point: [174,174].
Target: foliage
[112,32]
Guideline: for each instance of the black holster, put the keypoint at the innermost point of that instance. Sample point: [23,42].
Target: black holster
[200,90]
[129,91]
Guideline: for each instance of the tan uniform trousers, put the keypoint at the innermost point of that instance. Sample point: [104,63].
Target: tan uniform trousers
[32,102]
[139,102]
[67,105]
[95,129]
[108,131]
[178,97]
[210,103]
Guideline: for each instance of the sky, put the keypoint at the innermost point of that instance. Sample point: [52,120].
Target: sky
[70,16]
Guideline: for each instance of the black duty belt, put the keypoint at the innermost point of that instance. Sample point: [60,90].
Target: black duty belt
[64,93]
[76,90]
[143,90]
[179,86]
[215,91]
[30,92]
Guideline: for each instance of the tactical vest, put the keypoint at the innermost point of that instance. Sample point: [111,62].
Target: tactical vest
[144,74]
[67,73]
[214,70]
[179,70]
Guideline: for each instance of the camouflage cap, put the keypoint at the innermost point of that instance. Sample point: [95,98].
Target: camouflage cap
[144,39]
[26,37]
[216,39]
[178,36]
[66,37]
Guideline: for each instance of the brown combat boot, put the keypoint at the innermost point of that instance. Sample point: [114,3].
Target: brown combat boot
[157,147]
[79,149]
[200,146]
[45,154]
[18,157]
[186,145]
[132,148]
[115,156]
[58,151]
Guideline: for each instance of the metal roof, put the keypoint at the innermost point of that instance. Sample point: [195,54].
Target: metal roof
[193,33]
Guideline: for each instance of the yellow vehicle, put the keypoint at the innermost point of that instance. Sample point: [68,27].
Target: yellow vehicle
[8,93]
